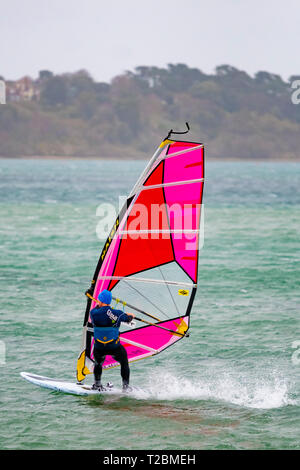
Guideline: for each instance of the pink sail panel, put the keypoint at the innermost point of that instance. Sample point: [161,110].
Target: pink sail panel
[149,340]
[137,254]
[184,205]
[184,202]
[186,166]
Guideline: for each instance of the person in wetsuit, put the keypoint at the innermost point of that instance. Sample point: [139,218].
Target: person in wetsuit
[106,321]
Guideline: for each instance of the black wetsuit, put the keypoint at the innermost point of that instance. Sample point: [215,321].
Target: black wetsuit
[120,355]
[106,322]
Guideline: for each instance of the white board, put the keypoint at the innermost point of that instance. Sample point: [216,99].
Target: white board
[67,387]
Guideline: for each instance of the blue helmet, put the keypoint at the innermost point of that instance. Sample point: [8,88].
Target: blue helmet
[105,297]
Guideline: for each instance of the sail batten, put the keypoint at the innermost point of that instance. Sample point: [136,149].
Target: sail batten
[165,185]
[196,147]
[137,279]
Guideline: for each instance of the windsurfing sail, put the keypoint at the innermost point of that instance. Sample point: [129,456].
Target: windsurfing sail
[150,258]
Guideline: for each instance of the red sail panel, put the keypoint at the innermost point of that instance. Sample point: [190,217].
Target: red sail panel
[144,251]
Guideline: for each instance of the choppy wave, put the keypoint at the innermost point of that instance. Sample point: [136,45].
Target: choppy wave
[267,393]
[209,392]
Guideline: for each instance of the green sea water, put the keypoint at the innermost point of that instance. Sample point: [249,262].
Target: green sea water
[233,384]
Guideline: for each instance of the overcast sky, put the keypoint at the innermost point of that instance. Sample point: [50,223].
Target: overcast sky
[108,37]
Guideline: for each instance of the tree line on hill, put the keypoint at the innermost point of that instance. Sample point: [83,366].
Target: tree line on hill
[236,116]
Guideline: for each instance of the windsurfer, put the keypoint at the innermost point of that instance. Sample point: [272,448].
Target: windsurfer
[106,321]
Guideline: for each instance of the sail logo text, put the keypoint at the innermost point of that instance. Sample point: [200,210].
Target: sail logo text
[183,292]
[109,239]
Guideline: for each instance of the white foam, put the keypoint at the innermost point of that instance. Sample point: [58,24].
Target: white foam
[261,393]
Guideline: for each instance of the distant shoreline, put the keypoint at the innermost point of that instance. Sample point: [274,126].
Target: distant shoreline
[71,116]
